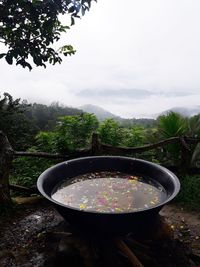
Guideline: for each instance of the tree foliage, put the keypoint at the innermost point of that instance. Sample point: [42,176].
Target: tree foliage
[29,28]
[71,133]
[134,136]
[61,129]
[174,124]
[18,128]
[46,117]
[110,132]
[21,121]
[171,125]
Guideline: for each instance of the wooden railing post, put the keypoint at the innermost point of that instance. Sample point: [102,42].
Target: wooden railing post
[95,145]
[6,157]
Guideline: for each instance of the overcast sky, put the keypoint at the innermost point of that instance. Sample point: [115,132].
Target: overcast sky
[134,58]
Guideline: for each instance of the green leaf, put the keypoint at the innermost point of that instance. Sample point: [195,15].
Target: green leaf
[72,21]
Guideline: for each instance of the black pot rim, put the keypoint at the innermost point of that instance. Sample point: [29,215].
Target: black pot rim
[171,175]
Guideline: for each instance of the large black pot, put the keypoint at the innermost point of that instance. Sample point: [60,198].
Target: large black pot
[107,222]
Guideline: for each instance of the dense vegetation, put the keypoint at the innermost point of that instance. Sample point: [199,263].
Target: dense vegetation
[58,129]
[21,121]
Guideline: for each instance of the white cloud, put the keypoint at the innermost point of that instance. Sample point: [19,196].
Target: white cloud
[148,45]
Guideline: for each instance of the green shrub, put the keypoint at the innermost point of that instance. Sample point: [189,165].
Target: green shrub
[189,194]
[71,133]
[26,170]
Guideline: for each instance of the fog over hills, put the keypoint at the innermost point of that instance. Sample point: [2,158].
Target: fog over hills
[185,111]
[99,112]
[103,114]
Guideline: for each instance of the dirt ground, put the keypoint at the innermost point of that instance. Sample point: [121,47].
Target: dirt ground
[186,225]
[22,234]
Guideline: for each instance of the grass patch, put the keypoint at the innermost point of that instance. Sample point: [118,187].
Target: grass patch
[26,170]
[189,195]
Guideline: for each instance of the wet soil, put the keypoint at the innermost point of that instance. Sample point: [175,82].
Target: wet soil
[23,236]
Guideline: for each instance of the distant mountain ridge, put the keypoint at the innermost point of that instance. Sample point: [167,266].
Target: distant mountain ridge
[103,114]
[184,111]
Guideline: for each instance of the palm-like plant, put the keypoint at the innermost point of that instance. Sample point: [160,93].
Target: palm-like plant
[172,125]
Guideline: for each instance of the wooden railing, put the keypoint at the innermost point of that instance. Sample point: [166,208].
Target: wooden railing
[7,154]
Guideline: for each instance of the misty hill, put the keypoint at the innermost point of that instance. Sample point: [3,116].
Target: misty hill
[184,111]
[99,112]
[45,117]
[103,114]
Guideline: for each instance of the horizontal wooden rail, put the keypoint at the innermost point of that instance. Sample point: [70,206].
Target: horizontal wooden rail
[191,140]
[23,189]
[39,154]
[78,153]
[130,150]
[98,148]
